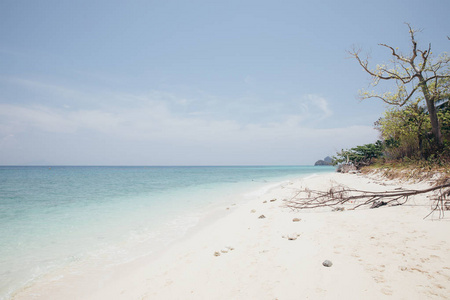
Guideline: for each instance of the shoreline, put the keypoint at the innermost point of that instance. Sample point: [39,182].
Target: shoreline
[205,216]
[376,253]
[144,210]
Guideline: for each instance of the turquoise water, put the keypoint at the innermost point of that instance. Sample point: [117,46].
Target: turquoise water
[52,217]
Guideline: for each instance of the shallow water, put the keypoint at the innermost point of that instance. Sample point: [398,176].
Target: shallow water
[51,217]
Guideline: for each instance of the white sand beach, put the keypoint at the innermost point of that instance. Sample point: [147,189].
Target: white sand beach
[383,253]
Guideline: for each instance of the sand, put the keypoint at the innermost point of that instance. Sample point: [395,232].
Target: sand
[388,252]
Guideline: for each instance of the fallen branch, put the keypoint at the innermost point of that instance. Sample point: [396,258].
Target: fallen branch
[339,195]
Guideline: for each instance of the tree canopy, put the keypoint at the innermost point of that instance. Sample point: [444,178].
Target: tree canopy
[417,76]
[360,155]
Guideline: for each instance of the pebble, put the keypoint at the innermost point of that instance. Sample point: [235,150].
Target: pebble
[273,200]
[327,263]
[217,253]
[262,217]
[291,237]
[296,220]
[253,210]
[338,209]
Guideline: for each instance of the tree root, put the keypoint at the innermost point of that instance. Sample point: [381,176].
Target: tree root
[339,195]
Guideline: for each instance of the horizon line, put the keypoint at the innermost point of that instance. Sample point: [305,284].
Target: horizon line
[231,165]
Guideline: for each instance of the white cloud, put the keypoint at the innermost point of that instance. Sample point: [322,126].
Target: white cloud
[162,128]
[320,103]
[16,118]
[155,121]
[50,89]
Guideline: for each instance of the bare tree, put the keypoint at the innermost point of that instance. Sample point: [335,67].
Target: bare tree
[412,73]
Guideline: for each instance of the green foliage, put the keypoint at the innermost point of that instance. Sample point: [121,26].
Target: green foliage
[444,120]
[417,75]
[417,126]
[360,155]
[404,131]
[406,138]
[407,134]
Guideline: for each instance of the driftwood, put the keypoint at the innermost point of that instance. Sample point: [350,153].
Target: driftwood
[339,195]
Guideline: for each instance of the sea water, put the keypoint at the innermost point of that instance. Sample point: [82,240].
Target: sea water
[52,217]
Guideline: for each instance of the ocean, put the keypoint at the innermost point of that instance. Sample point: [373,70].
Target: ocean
[57,218]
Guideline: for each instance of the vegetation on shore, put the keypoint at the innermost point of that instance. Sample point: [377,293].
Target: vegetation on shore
[414,135]
[415,130]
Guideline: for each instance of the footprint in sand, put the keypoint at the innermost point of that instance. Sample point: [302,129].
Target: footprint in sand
[169,282]
[387,291]
[223,251]
[378,278]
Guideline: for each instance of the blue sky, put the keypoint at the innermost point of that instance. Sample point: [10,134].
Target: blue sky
[195,82]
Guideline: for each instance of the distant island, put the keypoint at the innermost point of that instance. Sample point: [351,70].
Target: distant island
[327,161]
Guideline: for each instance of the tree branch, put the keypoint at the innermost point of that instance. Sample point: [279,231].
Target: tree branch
[393,75]
[397,100]
[413,41]
[339,195]
[395,54]
[437,77]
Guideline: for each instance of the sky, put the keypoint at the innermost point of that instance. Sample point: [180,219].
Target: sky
[196,82]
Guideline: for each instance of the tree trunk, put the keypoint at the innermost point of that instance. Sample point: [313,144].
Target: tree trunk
[435,128]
